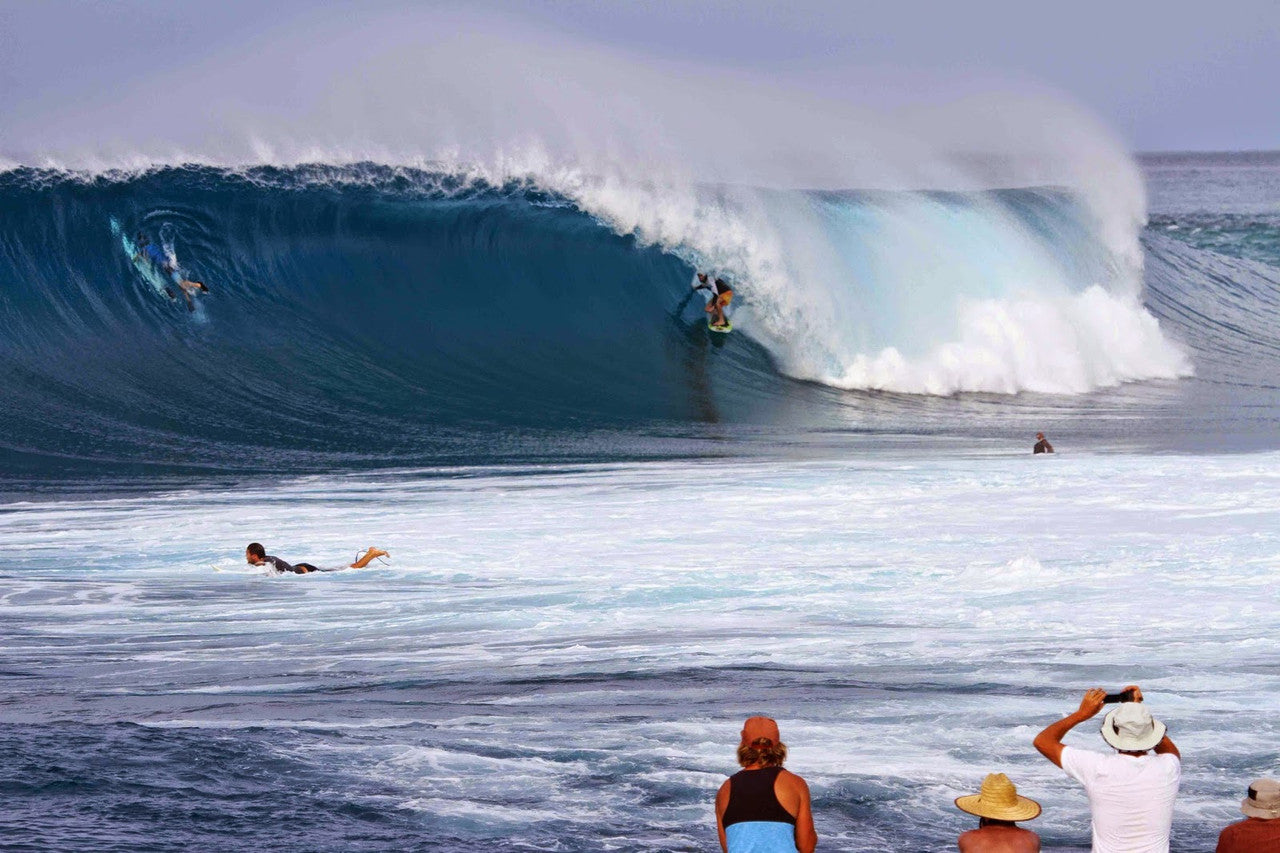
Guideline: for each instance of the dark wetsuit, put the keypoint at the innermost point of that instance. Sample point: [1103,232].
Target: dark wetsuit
[281,566]
[1042,446]
[754,820]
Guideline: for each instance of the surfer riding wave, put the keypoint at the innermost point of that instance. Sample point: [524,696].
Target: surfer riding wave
[161,260]
[721,296]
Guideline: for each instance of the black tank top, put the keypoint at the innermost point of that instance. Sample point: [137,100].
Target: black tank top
[751,797]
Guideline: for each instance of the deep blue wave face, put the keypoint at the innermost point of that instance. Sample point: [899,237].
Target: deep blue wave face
[377,316]
[369,316]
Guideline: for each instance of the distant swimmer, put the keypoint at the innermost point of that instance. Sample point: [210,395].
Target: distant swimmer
[256,555]
[1042,444]
[161,261]
[721,296]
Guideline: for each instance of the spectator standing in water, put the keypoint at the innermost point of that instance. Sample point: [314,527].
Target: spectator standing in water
[998,806]
[763,808]
[1131,791]
[1259,832]
[1042,444]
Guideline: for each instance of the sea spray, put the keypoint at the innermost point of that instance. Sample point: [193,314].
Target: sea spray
[717,165]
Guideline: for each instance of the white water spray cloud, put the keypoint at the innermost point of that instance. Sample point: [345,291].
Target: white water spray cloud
[683,154]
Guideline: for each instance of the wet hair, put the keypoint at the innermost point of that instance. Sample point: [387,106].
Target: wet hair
[256,550]
[141,239]
[764,751]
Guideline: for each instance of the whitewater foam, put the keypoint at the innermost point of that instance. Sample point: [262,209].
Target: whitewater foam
[907,293]
[1068,345]
[974,596]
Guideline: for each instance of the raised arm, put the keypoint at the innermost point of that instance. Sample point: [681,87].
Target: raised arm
[1049,741]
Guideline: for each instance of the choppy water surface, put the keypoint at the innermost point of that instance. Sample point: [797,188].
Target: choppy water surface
[559,659]
[616,535]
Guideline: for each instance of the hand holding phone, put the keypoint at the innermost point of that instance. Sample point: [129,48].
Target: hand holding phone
[1122,696]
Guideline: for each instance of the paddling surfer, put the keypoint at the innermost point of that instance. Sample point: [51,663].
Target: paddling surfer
[256,555]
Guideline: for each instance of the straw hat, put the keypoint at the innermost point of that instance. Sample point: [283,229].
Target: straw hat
[1131,728]
[999,800]
[1263,800]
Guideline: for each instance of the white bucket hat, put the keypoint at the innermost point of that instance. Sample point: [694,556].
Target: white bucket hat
[1263,800]
[1131,728]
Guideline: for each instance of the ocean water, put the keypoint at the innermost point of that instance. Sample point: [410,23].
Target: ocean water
[614,536]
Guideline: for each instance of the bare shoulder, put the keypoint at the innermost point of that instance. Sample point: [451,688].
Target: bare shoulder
[1023,841]
[792,781]
[999,839]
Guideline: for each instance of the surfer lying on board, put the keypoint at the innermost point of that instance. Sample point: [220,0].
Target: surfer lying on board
[161,261]
[721,296]
[256,555]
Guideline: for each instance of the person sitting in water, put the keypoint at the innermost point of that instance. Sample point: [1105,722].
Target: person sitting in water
[763,807]
[1042,444]
[161,261]
[256,555]
[721,296]
[997,806]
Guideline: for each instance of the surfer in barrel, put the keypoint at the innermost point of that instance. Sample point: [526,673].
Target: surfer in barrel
[256,555]
[164,263]
[721,296]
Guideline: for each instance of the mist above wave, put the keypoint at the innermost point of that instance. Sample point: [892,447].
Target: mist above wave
[430,86]
[706,161]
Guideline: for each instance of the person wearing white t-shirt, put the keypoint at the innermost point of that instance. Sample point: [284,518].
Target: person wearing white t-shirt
[1131,792]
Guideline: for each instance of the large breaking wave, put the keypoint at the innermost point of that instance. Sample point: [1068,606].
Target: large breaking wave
[521,255]
[366,311]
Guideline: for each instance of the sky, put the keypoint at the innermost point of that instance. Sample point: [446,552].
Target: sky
[1161,76]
